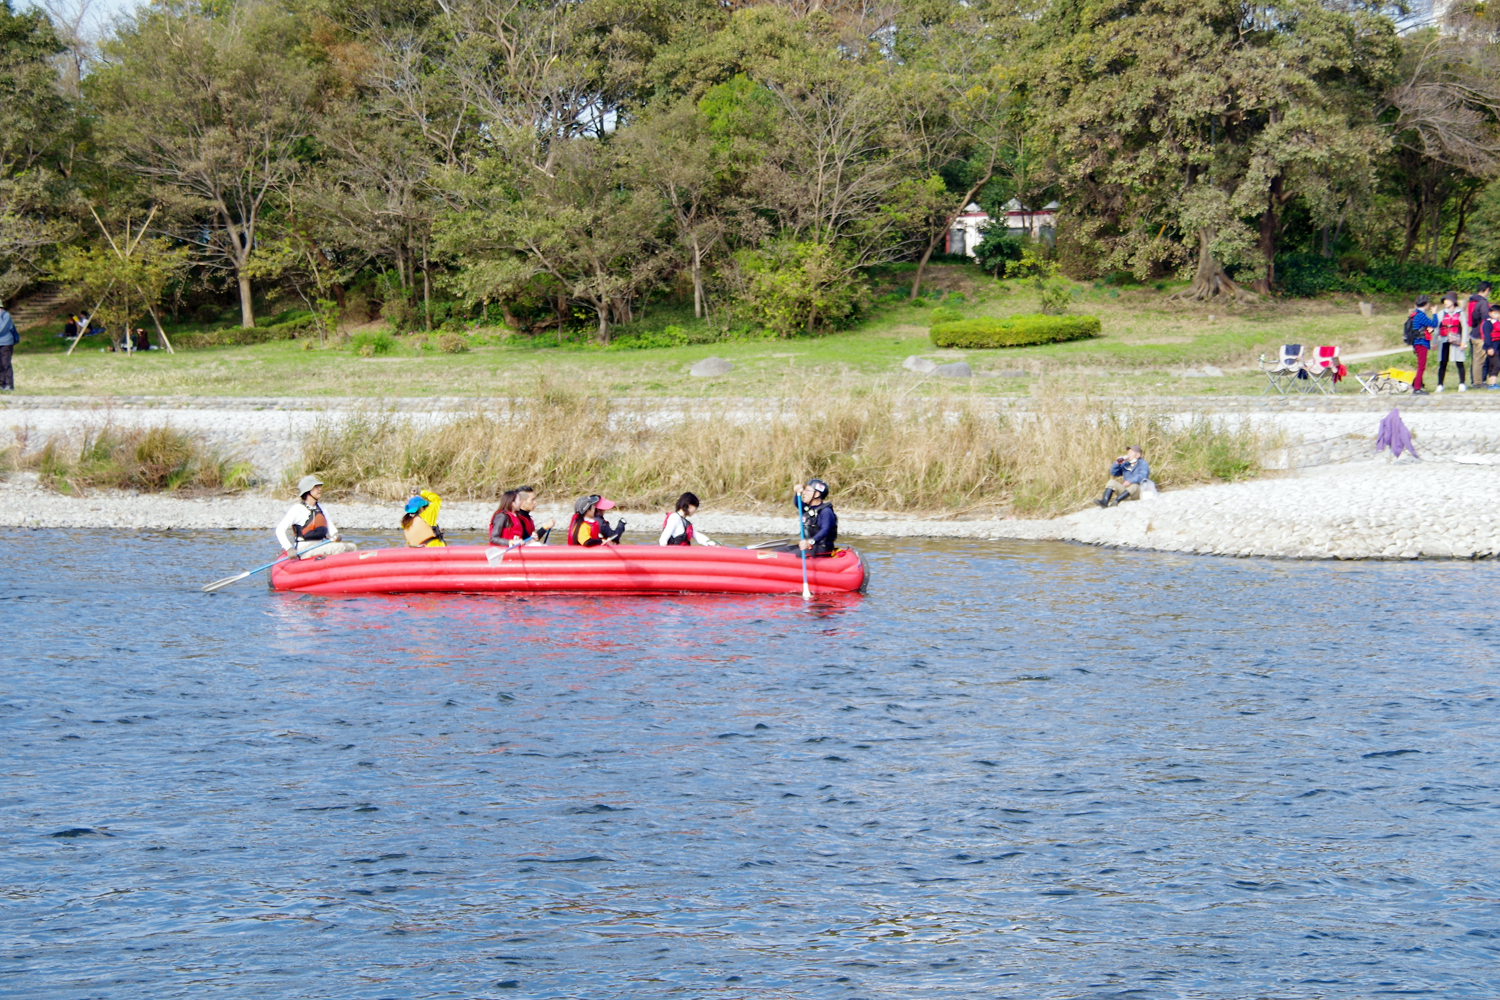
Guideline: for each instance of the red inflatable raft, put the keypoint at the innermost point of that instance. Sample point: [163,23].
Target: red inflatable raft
[615,569]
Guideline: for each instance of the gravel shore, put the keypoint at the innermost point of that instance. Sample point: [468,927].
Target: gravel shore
[1335,501]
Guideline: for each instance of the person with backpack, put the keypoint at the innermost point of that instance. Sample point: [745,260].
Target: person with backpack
[1416,337]
[1476,311]
[1453,332]
[677,529]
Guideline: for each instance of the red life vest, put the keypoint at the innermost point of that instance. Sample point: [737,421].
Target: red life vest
[517,525]
[686,539]
[591,530]
[314,529]
[1450,326]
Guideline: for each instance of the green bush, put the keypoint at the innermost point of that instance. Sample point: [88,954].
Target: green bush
[235,336]
[944,314]
[997,249]
[795,288]
[1014,331]
[369,344]
[452,343]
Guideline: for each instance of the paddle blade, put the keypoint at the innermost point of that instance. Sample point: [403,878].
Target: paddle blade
[209,588]
[806,594]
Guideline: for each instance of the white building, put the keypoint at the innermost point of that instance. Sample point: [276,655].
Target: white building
[967,230]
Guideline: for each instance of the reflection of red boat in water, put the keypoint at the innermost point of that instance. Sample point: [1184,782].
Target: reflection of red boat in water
[618,569]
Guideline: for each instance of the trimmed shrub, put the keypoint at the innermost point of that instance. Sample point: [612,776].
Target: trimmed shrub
[944,314]
[452,343]
[236,336]
[1014,331]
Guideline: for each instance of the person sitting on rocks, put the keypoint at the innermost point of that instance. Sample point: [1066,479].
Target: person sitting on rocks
[1126,475]
[305,524]
[419,522]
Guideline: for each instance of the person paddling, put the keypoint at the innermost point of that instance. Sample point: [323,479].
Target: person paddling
[305,524]
[676,529]
[419,521]
[589,527]
[512,523]
[819,523]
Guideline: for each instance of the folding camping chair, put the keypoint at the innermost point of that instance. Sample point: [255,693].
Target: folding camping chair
[1323,369]
[1283,372]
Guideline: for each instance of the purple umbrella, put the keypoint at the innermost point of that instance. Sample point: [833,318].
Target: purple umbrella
[1394,435]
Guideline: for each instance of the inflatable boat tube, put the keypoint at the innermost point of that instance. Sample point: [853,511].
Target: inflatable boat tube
[605,569]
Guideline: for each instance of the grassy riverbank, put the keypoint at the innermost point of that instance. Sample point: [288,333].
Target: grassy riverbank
[944,454]
[1147,345]
[949,454]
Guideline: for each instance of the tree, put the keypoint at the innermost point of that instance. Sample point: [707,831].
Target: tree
[1179,118]
[1444,114]
[212,110]
[38,124]
[127,277]
[583,224]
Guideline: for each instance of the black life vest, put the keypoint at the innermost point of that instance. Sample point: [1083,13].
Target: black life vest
[810,528]
[685,539]
[591,529]
[314,529]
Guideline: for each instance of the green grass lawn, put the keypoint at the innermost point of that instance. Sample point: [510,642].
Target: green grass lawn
[1146,345]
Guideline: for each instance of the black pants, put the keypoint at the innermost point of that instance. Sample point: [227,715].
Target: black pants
[1491,362]
[7,373]
[1458,360]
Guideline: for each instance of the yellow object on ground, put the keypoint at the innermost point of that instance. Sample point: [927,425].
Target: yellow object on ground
[1399,374]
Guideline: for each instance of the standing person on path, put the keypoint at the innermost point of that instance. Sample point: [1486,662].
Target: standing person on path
[1418,324]
[9,338]
[1453,334]
[1477,310]
[305,524]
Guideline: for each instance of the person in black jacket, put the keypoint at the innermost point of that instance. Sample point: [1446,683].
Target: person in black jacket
[820,525]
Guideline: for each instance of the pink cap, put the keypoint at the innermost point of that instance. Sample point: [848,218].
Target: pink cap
[604,504]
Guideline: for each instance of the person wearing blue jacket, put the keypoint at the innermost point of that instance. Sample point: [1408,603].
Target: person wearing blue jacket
[1126,475]
[1422,320]
[9,338]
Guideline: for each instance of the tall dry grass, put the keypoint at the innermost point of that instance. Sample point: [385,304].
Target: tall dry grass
[157,459]
[875,447]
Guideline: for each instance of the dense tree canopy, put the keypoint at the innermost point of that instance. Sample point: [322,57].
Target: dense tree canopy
[566,163]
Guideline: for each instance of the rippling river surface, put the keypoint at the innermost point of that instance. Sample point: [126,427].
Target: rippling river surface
[1015,770]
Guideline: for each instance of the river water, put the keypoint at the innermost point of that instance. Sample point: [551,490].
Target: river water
[1011,770]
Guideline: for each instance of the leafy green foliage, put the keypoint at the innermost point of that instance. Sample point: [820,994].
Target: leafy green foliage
[944,314]
[801,287]
[1014,331]
[998,249]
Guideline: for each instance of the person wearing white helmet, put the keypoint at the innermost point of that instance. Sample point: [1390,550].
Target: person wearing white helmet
[306,524]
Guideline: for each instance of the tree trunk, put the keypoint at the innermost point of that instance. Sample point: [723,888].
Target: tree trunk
[1414,215]
[1458,232]
[1210,281]
[1267,242]
[602,335]
[426,289]
[697,279]
[916,282]
[247,304]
